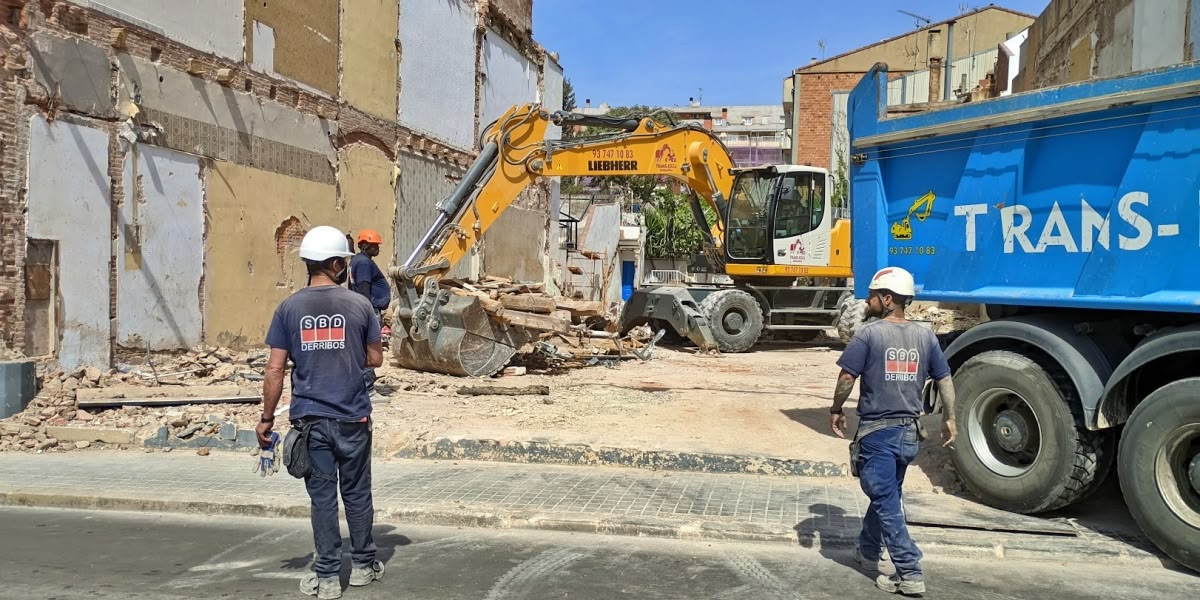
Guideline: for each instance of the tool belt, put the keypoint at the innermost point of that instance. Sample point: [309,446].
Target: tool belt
[869,427]
[295,449]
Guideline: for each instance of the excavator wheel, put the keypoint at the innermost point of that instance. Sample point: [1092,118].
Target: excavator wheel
[735,318]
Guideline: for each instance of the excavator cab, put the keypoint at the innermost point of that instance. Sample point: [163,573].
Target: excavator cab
[778,216]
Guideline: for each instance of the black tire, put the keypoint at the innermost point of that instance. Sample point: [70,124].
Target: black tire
[852,313]
[671,337]
[735,318]
[1053,464]
[1162,435]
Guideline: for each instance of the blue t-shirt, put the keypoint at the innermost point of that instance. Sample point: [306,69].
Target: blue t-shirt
[325,331]
[364,270]
[892,361]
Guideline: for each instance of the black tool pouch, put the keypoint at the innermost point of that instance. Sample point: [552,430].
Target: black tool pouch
[854,455]
[922,433]
[295,450]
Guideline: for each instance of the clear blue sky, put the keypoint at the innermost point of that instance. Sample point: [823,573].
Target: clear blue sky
[660,52]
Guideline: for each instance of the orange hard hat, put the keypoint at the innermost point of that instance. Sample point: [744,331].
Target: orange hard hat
[369,236]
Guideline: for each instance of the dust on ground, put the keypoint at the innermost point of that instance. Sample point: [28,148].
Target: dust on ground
[772,401]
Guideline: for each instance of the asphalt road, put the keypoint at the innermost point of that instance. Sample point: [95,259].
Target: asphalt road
[60,554]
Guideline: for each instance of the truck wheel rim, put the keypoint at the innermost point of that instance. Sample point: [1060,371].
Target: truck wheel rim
[1176,470]
[1005,432]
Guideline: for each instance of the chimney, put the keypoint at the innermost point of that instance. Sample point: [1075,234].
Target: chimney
[935,78]
[725,114]
[587,102]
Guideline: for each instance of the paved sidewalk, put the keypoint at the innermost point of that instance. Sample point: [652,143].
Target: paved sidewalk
[808,511]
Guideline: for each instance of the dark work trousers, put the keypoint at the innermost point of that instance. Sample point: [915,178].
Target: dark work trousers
[884,457]
[341,454]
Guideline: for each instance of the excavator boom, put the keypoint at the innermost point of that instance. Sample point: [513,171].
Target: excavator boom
[444,332]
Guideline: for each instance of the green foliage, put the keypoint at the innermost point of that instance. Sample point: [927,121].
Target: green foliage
[840,193]
[568,100]
[671,230]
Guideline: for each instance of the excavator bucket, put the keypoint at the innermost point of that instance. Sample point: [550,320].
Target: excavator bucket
[462,340]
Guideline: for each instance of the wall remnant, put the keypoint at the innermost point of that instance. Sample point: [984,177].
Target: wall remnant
[516,245]
[369,59]
[74,212]
[437,69]
[208,119]
[306,36]
[509,78]
[211,26]
[243,228]
[73,72]
[161,255]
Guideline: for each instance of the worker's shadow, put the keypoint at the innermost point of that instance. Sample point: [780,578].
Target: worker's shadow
[832,533]
[817,419]
[386,542]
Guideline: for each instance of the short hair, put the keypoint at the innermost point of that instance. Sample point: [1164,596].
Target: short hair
[319,266]
[900,299]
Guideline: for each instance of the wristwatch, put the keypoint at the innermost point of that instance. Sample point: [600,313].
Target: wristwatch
[266,419]
[836,411]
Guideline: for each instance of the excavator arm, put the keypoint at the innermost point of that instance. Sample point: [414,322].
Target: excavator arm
[453,334]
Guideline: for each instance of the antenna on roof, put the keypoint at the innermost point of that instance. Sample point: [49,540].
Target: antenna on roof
[821,47]
[919,18]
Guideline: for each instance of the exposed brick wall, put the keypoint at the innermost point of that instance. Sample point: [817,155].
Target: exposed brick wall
[21,97]
[815,107]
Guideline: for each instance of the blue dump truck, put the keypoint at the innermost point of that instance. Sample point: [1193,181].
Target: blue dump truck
[1073,214]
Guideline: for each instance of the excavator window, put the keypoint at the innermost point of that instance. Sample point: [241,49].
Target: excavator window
[749,206]
[801,204]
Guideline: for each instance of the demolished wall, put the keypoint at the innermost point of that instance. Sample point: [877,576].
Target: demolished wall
[160,167]
[1077,41]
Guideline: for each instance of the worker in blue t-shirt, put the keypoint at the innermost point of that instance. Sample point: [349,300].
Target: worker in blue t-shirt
[330,334]
[365,276]
[894,357]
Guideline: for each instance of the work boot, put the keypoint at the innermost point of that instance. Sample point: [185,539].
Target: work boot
[324,588]
[893,584]
[883,566]
[364,575]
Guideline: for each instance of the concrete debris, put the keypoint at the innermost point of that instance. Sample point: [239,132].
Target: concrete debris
[128,405]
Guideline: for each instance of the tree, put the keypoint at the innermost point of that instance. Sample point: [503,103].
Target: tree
[671,228]
[841,180]
[568,99]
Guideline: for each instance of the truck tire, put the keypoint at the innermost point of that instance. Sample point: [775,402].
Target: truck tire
[1159,469]
[852,313]
[1018,447]
[735,318]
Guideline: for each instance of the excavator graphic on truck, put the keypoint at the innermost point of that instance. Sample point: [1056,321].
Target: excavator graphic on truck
[774,229]
[921,209]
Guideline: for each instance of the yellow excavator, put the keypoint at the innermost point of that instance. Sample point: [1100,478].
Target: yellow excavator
[776,237]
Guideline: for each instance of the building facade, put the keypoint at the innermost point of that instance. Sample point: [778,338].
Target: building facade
[162,160]
[814,95]
[1075,41]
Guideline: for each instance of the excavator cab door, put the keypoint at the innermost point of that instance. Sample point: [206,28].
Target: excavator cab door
[800,220]
[748,215]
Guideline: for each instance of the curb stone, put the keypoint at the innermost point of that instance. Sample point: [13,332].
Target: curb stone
[935,542]
[546,452]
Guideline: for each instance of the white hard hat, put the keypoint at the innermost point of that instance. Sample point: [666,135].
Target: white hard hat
[324,242]
[895,280]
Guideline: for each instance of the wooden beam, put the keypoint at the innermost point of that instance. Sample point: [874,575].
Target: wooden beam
[534,303]
[535,321]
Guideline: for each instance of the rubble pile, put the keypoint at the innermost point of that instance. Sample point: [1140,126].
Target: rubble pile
[944,319]
[570,331]
[165,393]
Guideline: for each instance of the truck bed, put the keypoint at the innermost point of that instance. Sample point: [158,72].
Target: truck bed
[1079,196]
